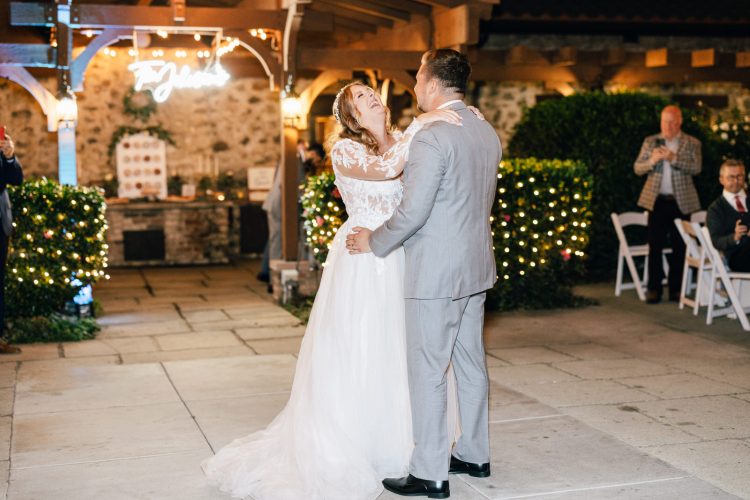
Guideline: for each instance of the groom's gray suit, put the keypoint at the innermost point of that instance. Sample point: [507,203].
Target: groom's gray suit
[443,222]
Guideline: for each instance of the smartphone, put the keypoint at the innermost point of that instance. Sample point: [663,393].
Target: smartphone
[2,132]
[745,219]
[659,142]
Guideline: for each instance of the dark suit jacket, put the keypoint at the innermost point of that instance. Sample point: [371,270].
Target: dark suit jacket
[721,219]
[11,173]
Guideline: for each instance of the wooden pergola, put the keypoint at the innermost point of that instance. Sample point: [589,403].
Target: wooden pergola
[327,40]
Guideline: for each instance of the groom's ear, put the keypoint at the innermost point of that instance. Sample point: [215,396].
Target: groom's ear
[432,85]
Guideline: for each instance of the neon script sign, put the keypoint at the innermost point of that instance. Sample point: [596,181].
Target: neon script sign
[162,77]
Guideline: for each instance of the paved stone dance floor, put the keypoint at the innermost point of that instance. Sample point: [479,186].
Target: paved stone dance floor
[615,401]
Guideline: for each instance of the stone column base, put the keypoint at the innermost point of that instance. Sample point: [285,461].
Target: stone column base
[305,275]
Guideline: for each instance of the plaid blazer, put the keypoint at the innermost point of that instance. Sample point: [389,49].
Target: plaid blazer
[687,164]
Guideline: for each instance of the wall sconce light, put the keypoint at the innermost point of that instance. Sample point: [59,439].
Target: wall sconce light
[291,107]
[67,109]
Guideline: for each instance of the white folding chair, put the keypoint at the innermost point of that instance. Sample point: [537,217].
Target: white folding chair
[695,259]
[699,217]
[730,281]
[627,252]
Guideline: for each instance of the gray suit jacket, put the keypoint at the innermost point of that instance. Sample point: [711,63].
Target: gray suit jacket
[443,220]
[687,164]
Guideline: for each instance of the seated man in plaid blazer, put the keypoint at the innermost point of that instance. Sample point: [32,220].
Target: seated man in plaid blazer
[727,217]
[670,160]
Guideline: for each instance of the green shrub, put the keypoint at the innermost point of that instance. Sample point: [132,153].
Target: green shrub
[733,135]
[323,213]
[53,328]
[605,132]
[540,226]
[59,237]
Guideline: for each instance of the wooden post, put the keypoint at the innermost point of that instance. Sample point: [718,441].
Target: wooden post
[289,192]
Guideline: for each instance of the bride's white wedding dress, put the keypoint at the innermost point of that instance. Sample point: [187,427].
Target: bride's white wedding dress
[347,424]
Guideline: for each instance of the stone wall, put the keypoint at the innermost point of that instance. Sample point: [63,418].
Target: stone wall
[238,124]
[194,233]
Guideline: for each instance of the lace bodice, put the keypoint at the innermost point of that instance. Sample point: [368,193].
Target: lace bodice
[370,184]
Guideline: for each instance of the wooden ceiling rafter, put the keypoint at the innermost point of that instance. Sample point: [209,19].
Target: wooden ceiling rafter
[339,11]
[90,16]
[374,9]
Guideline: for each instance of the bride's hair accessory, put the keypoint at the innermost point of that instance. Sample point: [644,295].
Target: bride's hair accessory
[337,104]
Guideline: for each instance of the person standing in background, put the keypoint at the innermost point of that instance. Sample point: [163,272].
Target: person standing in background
[670,160]
[11,173]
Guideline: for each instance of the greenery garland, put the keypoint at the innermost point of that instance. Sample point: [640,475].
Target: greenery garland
[133,98]
[125,130]
[323,212]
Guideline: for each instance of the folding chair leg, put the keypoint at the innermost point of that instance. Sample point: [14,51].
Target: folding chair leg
[684,287]
[737,306]
[634,275]
[698,290]
[618,281]
[711,299]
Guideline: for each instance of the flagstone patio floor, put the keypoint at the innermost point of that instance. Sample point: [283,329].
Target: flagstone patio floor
[616,401]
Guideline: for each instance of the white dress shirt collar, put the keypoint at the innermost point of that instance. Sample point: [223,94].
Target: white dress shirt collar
[446,104]
[730,197]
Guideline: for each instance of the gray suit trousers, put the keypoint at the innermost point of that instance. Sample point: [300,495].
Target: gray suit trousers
[440,331]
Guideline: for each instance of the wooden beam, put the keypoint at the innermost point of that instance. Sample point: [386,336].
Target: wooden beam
[317,21]
[128,16]
[614,56]
[373,9]
[407,5]
[27,54]
[520,54]
[565,56]
[703,58]
[325,59]
[351,24]
[442,3]
[743,59]
[656,58]
[453,27]
[44,97]
[339,11]
[269,60]
[401,77]
[106,38]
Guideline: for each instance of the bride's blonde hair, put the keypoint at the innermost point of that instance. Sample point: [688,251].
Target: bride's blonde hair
[347,116]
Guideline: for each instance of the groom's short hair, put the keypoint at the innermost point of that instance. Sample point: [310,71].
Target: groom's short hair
[449,66]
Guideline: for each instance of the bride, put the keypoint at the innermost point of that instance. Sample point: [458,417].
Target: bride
[347,424]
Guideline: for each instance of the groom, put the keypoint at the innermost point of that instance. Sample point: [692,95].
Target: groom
[443,222]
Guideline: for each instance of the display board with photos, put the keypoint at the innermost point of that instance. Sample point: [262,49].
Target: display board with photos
[141,167]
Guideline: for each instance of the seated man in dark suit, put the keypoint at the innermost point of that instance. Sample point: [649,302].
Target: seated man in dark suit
[728,215]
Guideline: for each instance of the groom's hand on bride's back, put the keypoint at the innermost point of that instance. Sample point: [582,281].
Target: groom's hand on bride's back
[358,241]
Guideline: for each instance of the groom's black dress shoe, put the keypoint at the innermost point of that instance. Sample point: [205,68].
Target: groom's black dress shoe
[411,486]
[474,470]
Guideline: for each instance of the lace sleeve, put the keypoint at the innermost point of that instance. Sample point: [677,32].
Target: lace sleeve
[351,159]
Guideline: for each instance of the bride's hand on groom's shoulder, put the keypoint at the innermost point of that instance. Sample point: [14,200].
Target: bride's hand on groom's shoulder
[440,115]
[476,112]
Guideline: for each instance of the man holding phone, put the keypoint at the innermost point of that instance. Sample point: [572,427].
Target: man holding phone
[728,219]
[670,160]
[11,173]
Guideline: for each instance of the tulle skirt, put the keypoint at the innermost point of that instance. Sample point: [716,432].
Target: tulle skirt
[347,424]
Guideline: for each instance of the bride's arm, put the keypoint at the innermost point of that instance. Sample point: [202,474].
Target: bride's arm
[351,158]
